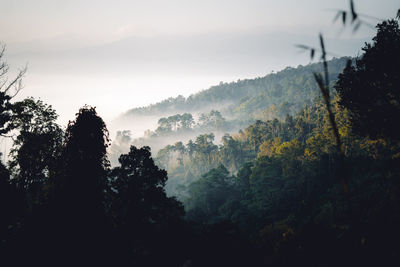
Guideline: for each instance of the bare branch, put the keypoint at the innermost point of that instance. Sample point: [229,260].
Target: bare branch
[17,82]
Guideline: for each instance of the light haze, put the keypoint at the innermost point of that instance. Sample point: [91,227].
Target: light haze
[117,55]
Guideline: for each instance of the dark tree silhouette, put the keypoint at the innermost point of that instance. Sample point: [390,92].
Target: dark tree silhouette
[36,148]
[85,161]
[370,90]
[145,218]
[11,200]
[80,187]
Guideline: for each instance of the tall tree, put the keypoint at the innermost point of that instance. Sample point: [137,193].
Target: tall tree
[144,216]
[36,148]
[85,159]
[370,90]
[80,189]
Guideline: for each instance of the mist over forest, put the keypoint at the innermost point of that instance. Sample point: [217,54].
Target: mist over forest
[222,111]
[297,167]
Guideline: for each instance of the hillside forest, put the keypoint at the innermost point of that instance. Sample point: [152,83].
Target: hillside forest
[258,172]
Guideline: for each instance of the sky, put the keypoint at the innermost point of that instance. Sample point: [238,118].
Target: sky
[117,55]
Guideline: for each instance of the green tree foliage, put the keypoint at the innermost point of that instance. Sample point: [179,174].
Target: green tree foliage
[186,164]
[370,89]
[209,193]
[212,121]
[288,200]
[175,123]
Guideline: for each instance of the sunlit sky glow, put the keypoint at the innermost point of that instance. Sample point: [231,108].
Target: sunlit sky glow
[116,55]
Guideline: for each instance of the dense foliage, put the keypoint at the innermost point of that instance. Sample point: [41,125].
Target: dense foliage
[278,180]
[370,89]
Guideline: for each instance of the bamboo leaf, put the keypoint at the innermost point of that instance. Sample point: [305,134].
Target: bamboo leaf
[303,47]
[338,14]
[344,17]
[357,26]
[321,41]
[353,12]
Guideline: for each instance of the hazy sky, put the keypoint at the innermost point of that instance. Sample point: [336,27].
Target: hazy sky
[121,54]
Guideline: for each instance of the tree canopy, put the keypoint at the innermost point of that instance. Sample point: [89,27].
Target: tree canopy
[370,89]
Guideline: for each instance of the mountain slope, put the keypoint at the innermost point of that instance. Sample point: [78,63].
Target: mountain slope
[247,99]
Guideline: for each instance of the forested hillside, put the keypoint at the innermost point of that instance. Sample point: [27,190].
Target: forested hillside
[225,108]
[287,185]
[245,98]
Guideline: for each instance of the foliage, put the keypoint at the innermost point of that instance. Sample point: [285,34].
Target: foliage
[85,163]
[140,209]
[36,148]
[370,89]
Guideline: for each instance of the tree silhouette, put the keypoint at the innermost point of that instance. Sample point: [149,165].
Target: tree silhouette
[80,188]
[85,160]
[370,89]
[145,218]
[36,148]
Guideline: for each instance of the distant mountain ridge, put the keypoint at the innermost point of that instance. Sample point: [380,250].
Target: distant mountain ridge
[243,98]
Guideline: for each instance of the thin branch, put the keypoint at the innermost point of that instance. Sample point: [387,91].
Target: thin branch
[17,82]
[9,136]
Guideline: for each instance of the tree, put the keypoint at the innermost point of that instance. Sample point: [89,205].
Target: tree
[11,201]
[85,160]
[143,214]
[164,126]
[36,148]
[80,225]
[187,121]
[208,194]
[370,89]
[213,120]
[205,149]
